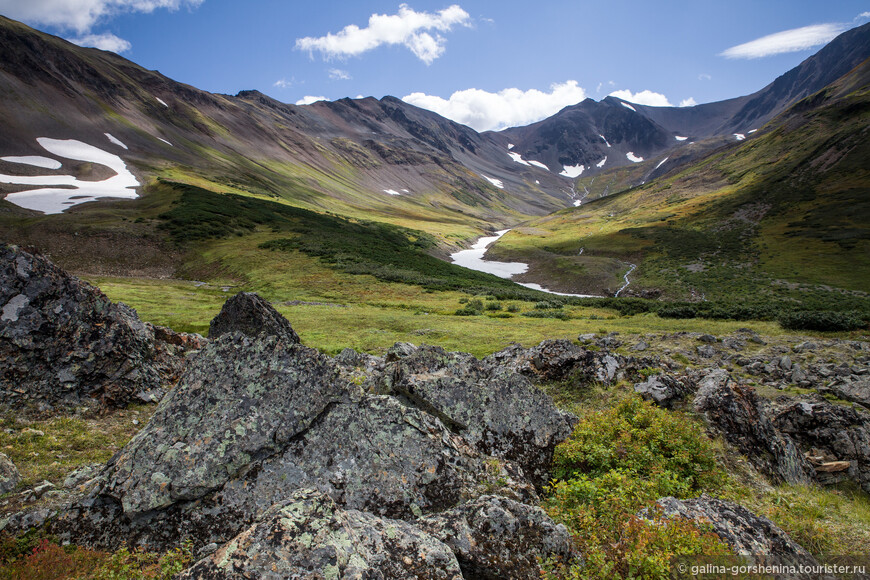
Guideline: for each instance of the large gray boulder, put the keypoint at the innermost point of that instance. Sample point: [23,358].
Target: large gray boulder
[746,533]
[665,390]
[63,343]
[497,411]
[248,313]
[253,421]
[744,420]
[310,536]
[496,538]
[9,475]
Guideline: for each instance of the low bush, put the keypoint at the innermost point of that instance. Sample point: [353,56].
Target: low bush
[823,320]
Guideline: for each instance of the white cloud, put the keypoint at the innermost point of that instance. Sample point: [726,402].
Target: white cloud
[337,74]
[793,40]
[82,15]
[648,98]
[484,111]
[105,41]
[862,16]
[283,83]
[408,28]
[308,99]
[704,77]
[690,102]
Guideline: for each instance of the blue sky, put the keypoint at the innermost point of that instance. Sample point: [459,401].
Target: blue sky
[488,64]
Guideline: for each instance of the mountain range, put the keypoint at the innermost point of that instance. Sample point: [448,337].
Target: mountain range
[659,189]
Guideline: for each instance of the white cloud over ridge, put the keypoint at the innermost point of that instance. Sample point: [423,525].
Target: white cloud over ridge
[407,28]
[337,74]
[105,41]
[793,40]
[690,102]
[82,15]
[485,111]
[308,99]
[648,98]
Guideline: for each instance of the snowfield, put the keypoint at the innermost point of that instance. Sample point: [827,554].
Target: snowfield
[496,182]
[601,163]
[115,140]
[473,259]
[678,138]
[392,192]
[518,158]
[633,158]
[627,106]
[56,199]
[572,171]
[35,160]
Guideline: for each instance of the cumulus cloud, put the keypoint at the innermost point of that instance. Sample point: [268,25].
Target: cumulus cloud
[82,15]
[690,102]
[337,74]
[648,98]
[105,41]
[484,111]
[407,28]
[793,40]
[283,83]
[308,99]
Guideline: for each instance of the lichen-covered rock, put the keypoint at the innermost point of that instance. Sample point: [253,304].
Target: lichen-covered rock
[855,389]
[551,360]
[241,400]
[746,533]
[63,343]
[498,412]
[665,390]
[9,476]
[248,313]
[310,536]
[744,420]
[841,435]
[495,538]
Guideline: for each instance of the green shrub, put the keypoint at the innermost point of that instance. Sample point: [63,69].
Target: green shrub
[558,314]
[513,307]
[493,305]
[824,320]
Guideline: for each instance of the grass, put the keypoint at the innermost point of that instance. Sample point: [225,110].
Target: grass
[48,449]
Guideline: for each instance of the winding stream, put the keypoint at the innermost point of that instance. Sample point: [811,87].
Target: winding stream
[473,260]
[624,286]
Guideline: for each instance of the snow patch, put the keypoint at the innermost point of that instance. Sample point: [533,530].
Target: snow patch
[662,162]
[161,101]
[392,192]
[601,163]
[35,160]
[572,171]
[577,202]
[473,259]
[633,158]
[678,138]
[57,199]
[405,191]
[496,182]
[538,164]
[167,142]
[510,146]
[751,131]
[518,158]
[739,136]
[627,106]
[115,140]
[605,140]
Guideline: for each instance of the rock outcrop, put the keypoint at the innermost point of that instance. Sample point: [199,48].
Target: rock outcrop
[495,410]
[310,536]
[744,420]
[9,475]
[251,315]
[745,532]
[64,343]
[835,439]
[665,390]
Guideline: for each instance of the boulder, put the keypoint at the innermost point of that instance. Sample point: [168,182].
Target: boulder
[854,388]
[251,315]
[744,420]
[310,536]
[495,538]
[9,476]
[497,411]
[835,438]
[746,533]
[63,343]
[551,360]
[665,390]
[254,420]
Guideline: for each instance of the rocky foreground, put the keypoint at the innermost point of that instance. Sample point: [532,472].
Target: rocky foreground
[275,461]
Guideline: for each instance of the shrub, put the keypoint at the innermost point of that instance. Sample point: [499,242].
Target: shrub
[513,307]
[547,314]
[823,320]
[493,305]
